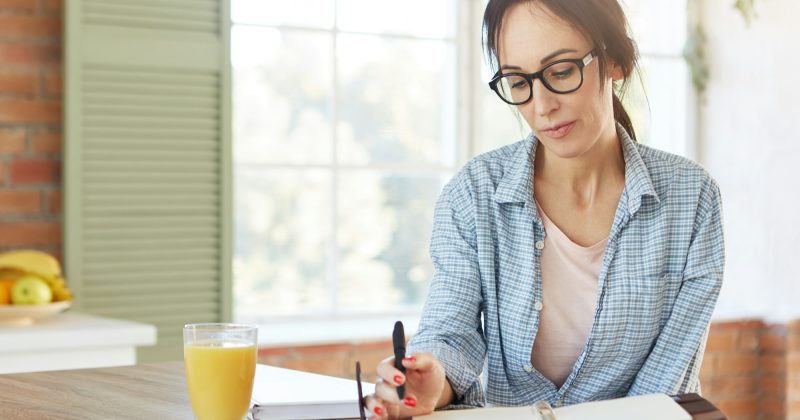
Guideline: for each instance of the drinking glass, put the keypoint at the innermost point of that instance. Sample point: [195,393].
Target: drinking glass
[220,362]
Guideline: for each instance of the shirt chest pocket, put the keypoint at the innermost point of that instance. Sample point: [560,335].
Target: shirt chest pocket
[638,306]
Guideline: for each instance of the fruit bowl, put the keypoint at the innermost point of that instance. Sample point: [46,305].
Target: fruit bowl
[27,314]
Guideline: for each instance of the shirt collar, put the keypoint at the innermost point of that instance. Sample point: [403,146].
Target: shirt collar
[516,185]
[637,178]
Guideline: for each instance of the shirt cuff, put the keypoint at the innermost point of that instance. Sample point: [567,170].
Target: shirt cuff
[466,384]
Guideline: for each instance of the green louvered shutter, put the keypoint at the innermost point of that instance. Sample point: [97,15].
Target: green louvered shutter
[147,163]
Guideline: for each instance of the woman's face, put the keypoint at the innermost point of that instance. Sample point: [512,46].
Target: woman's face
[530,36]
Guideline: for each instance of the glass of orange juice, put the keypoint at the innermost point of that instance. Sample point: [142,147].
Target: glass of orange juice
[220,362]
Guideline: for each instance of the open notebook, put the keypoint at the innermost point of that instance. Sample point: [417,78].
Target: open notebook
[650,407]
[290,394]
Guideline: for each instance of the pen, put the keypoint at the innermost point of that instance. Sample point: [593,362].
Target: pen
[399,342]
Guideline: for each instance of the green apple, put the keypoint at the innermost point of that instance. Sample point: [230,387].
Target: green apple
[30,290]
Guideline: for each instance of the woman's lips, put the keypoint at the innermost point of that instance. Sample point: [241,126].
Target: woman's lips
[560,131]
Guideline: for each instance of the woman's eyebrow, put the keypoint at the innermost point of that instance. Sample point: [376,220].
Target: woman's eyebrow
[556,54]
[544,60]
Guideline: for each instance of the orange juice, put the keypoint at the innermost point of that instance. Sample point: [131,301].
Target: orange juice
[219,376]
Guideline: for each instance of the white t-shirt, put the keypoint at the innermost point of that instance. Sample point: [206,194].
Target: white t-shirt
[569,297]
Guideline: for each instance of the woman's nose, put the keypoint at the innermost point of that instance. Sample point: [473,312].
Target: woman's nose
[544,101]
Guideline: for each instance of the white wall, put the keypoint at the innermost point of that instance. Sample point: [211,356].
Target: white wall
[750,142]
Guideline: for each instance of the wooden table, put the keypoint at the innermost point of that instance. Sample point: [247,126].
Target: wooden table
[145,391]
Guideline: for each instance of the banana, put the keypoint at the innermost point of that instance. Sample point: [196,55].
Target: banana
[14,264]
[31,261]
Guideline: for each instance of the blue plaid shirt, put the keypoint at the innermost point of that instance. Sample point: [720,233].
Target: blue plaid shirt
[659,282]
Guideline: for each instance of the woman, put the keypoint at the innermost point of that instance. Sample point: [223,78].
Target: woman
[574,265]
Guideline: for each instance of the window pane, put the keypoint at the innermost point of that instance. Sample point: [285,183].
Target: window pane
[307,13]
[396,101]
[282,96]
[281,242]
[422,18]
[384,232]
[658,26]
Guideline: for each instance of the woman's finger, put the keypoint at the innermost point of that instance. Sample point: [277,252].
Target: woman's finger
[420,361]
[389,373]
[388,393]
[376,406]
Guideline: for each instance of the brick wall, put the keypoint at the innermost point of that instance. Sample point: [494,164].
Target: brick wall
[751,370]
[793,370]
[730,375]
[30,125]
[332,359]
[773,372]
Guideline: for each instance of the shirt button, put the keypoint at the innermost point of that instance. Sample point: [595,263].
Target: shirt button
[538,306]
[528,368]
[539,245]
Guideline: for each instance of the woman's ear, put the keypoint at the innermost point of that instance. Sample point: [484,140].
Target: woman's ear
[616,72]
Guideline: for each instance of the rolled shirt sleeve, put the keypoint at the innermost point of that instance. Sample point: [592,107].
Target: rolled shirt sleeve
[450,327]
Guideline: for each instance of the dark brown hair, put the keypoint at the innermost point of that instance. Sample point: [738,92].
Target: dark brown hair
[602,22]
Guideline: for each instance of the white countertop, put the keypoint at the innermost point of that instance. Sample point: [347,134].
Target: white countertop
[72,341]
[75,330]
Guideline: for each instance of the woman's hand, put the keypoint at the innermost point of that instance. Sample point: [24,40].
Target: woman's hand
[425,384]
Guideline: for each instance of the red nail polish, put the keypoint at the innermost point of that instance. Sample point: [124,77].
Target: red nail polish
[411,402]
[378,411]
[398,379]
[410,358]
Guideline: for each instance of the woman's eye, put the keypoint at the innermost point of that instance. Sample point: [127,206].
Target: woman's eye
[563,74]
[518,85]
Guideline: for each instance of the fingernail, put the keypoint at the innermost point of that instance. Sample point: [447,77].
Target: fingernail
[411,402]
[398,379]
[410,359]
[378,411]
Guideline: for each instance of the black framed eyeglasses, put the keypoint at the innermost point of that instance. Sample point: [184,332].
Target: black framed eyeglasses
[562,76]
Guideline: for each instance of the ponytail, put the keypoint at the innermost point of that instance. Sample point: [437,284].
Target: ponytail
[621,116]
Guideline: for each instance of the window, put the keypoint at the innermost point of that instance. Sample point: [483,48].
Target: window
[348,120]
[345,130]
